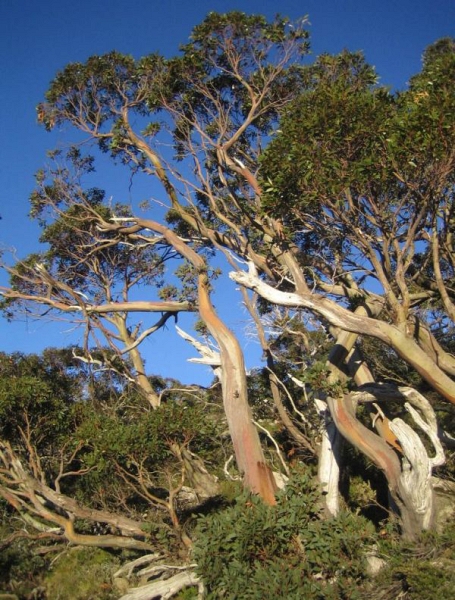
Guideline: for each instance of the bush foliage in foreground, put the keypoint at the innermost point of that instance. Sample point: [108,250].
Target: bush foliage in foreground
[251,550]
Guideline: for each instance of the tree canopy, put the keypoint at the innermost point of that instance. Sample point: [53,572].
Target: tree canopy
[330,198]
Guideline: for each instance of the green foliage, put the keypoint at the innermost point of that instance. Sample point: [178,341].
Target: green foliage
[82,574]
[425,130]
[251,550]
[350,171]
[70,218]
[37,394]
[424,570]
[330,136]
[148,437]
[348,149]
[133,440]
[428,580]
[21,569]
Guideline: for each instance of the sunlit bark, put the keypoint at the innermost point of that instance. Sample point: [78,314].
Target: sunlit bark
[48,510]
[341,317]
[251,462]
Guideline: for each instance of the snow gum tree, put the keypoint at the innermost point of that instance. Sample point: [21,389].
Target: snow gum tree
[88,277]
[362,181]
[337,193]
[218,96]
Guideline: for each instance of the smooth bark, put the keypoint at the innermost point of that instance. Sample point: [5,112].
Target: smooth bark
[343,318]
[250,459]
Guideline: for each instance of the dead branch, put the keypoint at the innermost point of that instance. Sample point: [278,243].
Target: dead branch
[54,513]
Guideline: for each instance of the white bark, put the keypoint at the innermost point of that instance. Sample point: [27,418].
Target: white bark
[128,569]
[417,466]
[329,455]
[415,476]
[329,460]
[163,586]
[415,480]
[209,356]
[339,316]
[164,589]
[375,563]
[336,314]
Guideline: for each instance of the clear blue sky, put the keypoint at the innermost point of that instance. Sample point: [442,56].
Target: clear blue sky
[38,38]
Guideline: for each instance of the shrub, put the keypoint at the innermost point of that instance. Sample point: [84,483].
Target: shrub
[21,570]
[254,551]
[423,570]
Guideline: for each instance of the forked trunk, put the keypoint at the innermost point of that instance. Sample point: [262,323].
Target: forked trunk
[396,448]
[408,479]
[140,377]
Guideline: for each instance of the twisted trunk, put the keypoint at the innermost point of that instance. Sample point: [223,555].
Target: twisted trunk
[250,458]
[398,451]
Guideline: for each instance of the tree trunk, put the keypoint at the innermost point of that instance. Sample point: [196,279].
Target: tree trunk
[250,458]
[251,462]
[140,377]
[409,480]
[329,461]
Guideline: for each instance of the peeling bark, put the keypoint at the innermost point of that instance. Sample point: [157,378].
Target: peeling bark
[398,451]
[408,477]
[415,480]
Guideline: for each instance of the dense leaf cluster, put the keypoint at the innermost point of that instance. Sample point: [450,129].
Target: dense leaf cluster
[253,551]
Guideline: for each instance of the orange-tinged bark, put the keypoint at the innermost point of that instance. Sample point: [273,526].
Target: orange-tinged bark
[247,447]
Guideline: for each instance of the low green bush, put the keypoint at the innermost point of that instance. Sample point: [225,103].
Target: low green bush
[421,570]
[254,551]
[21,569]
